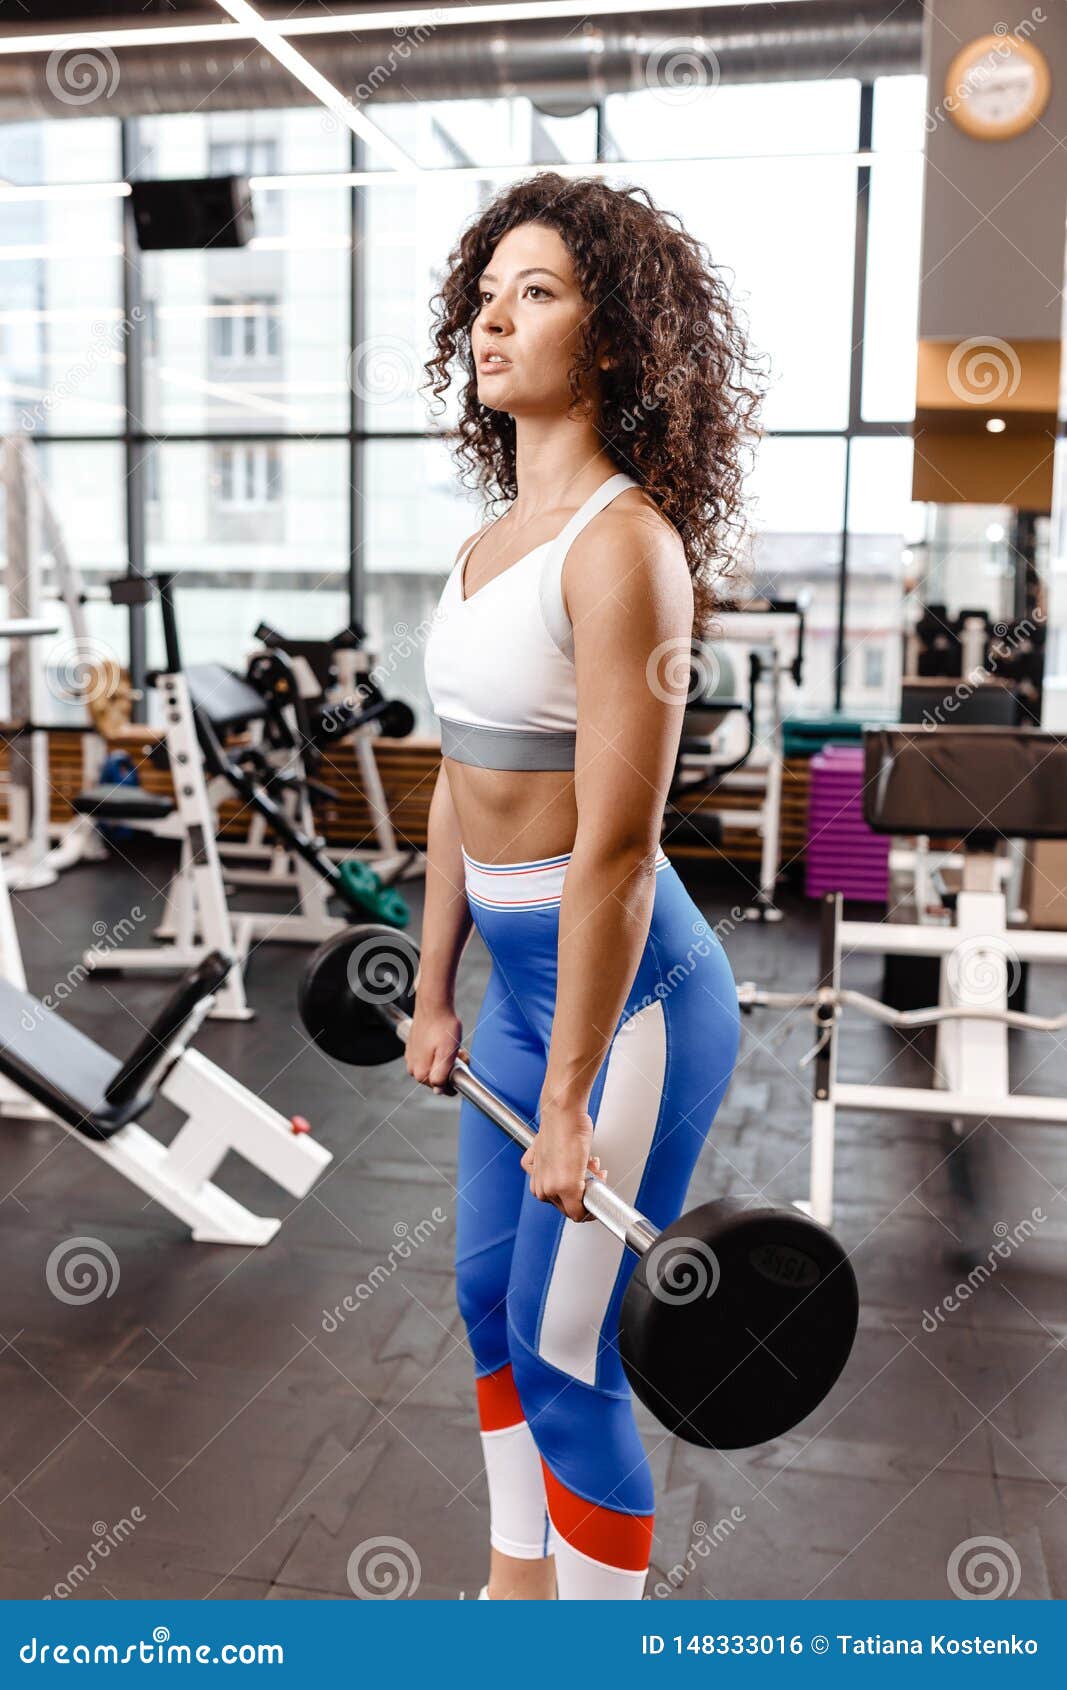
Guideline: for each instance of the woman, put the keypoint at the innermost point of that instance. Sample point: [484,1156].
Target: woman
[605,401]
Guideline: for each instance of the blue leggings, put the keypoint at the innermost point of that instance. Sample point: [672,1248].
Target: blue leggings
[540,1295]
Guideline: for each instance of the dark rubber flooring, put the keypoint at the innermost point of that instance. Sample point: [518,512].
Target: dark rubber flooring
[202,1431]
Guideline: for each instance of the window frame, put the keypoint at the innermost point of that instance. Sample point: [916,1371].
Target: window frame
[140,443]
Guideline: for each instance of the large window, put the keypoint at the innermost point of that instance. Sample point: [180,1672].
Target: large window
[790,267]
[64,332]
[253,418]
[409,547]
[247,477]
[256,531]
[884,530]
[84,483]
[245,331]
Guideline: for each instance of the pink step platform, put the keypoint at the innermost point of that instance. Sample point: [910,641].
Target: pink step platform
[842,853]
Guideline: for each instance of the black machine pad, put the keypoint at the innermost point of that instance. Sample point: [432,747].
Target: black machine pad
[225,699]
[948,781]
[122,803]
[50,1060]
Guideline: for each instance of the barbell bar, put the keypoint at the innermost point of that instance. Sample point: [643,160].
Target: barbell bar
[737,1319]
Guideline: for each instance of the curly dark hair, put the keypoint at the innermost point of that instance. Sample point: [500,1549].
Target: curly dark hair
[675,409]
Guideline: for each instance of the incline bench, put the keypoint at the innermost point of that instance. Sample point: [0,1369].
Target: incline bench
[97,1098]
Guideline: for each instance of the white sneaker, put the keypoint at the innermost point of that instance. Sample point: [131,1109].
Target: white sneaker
[483,1594]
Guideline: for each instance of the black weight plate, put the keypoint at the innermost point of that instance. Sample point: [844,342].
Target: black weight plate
[397,720]
[345,980]
[737,1322]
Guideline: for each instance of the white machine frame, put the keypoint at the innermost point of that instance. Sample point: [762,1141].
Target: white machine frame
[780,634]
[752,628]
[197,917]
[285,869]
[971,1068]
[221,1115]
[32,528]
[777,633]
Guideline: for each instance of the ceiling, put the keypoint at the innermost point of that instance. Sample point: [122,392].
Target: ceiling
[562,63]
[43,13]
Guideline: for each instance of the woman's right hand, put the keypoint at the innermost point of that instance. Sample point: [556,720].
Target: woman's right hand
[432,1046]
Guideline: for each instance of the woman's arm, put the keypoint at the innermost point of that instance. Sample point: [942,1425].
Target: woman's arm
[447,920]
[434,1040]
[631,604]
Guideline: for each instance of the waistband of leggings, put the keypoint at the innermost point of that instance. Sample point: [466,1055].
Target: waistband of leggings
[523,886]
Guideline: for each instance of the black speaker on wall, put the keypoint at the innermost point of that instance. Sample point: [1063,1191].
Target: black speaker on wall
[196,212]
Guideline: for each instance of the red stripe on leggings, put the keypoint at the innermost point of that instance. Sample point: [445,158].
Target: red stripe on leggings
[614,1539]
[498,1400]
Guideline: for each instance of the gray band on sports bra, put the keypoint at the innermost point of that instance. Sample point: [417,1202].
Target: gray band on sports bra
[505,748]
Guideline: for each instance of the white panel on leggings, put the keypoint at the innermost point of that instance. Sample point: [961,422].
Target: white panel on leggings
[581,1579]
[517,1512]
[588,1257]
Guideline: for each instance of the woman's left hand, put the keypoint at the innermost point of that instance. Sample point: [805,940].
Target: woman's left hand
[558,1160]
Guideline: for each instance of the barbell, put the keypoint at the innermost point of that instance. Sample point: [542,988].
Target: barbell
[737,1319]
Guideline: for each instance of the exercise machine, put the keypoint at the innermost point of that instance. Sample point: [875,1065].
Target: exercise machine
[329,686]
[37,850]
[50,1070]
[975,656]
[988,786]
[772,634]
[924,878]
[202,706]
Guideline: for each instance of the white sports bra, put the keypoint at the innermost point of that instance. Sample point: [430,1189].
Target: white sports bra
[500,665]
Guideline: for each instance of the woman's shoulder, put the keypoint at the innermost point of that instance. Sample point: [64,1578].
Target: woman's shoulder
[634,529]
[630,551]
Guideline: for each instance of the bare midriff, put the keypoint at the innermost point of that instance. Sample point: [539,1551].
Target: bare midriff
[511,815]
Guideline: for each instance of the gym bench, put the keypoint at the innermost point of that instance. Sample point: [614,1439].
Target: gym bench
[97,1098]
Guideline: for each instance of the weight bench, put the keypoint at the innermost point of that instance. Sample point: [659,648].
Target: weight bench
[122,802]
[97,1098]
[986,786]
[202,705]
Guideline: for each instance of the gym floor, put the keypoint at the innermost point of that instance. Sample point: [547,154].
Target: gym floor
[208,1419]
